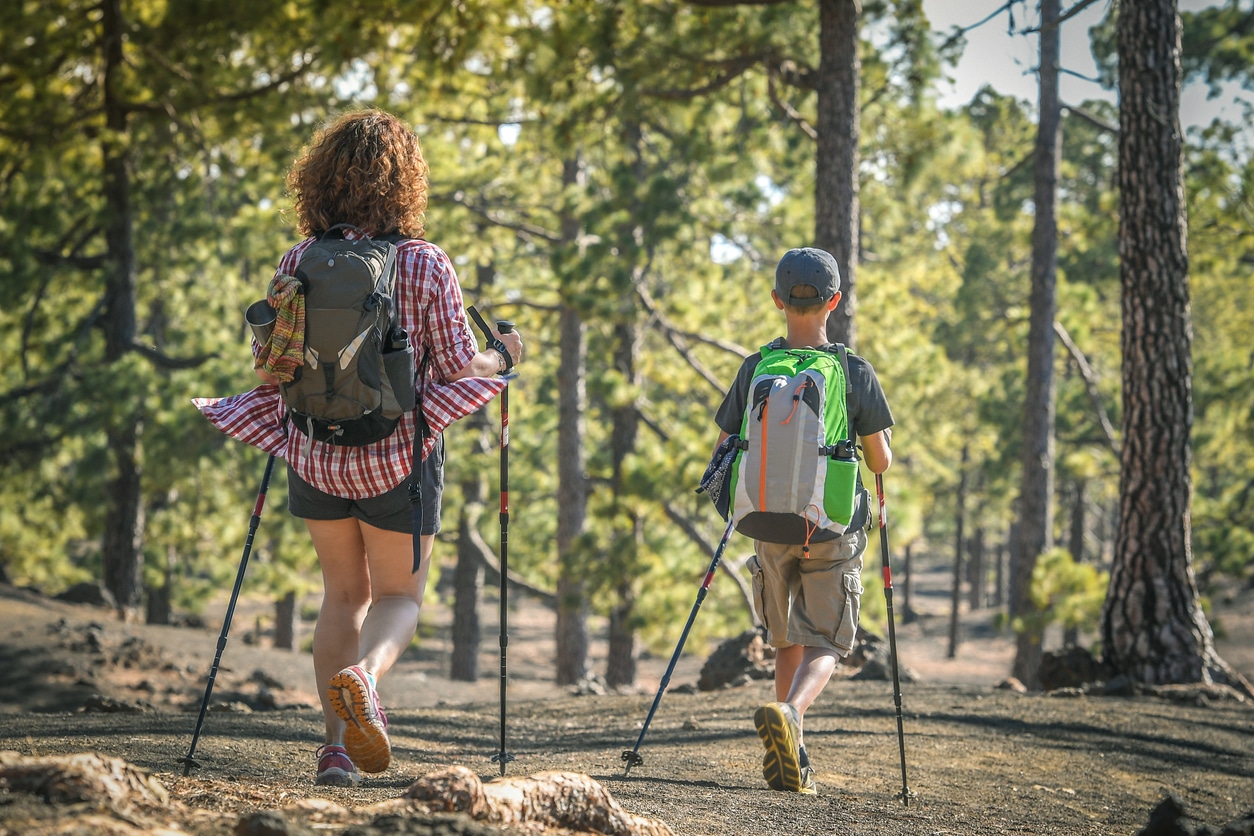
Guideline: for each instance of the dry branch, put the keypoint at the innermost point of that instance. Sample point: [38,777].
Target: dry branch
[676,339]
[1090,385]
[685,525]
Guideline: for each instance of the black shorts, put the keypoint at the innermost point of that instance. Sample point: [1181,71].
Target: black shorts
[390,511]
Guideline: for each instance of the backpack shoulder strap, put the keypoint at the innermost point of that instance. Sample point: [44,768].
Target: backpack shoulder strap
[842,354]
[388,274]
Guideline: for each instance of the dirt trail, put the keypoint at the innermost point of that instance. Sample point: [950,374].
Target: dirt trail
[981,760]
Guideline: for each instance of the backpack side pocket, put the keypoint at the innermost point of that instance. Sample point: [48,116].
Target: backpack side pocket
[759,588]
[399,394]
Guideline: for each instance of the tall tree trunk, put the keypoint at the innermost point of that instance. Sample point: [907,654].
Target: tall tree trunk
[620,666]
[907,612]
[999,577]
[976,570]
[467,632]
[157,604]
[1075,545]
[1079,521]
[1036,494]
[285,622]
[838,124]
[123,540]
[625,420]
[1012,569]
[1153,627]
[124,532]
[572,488]
[955,593]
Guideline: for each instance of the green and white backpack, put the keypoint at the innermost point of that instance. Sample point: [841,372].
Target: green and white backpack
[795,479]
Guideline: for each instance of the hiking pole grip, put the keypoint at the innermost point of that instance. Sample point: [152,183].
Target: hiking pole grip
[504,326]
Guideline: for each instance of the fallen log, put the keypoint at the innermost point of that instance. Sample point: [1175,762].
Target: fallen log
[566,800]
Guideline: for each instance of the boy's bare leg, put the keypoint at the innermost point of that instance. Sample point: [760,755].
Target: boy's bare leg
[801,674]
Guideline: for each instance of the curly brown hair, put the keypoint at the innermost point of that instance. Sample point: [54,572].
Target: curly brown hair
[363,168]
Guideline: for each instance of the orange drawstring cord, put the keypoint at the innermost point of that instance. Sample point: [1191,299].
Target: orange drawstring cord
[810,529]
[796,398]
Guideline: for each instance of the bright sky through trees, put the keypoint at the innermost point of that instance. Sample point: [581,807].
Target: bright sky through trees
[1008,61]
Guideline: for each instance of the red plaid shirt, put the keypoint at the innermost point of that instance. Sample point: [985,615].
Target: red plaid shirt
[430,308]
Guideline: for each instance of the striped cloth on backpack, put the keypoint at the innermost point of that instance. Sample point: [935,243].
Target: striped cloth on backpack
[284,352]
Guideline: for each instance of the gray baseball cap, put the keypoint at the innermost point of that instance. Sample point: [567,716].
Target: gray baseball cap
[810,266]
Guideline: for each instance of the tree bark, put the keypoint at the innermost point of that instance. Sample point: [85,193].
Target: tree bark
[1153,627]
[907,612]
[621,663]
[955,593]
[838,124]
[999,577]
[124,533]
[1012,569]
[1036,494]
[620,666]
[572,490]
[467,631]
[157,604]
[285,622]
[1075,545]
[545,802]
[976,569]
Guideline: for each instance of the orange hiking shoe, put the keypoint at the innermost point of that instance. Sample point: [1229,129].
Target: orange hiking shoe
[366,737]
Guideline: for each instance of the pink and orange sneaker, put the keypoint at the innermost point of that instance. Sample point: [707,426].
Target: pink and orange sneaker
[357,704]
[335,768]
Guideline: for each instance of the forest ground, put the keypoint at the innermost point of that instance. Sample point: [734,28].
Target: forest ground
[980,760]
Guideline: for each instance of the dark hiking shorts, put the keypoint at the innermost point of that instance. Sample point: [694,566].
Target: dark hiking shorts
[390,511]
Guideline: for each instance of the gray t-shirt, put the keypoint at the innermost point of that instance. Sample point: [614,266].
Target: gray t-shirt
[868,409]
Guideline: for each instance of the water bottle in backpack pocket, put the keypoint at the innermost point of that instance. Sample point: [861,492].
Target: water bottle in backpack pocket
[261,317]
[399,372]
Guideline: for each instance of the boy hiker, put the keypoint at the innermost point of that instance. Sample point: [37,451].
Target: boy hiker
[808,584]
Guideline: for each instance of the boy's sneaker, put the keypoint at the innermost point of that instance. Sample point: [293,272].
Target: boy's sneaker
[777,725]
[335,768]
[366,735]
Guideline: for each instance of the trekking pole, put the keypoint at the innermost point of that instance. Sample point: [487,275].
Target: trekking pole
[190,760]
[892,634]
[503,326]
[631,757]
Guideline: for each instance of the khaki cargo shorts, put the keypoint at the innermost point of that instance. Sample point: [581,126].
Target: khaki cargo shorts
[812,601]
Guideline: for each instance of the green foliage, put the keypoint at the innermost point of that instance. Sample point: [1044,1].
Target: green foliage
[1063,592]
[644,164]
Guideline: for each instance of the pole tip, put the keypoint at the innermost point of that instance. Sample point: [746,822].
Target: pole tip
[631,758]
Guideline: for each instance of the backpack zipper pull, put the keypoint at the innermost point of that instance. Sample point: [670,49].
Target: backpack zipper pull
[796,398]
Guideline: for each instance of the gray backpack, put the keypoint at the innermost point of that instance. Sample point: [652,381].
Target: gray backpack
[358,376]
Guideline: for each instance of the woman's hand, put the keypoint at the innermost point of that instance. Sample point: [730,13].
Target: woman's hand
[512,343]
